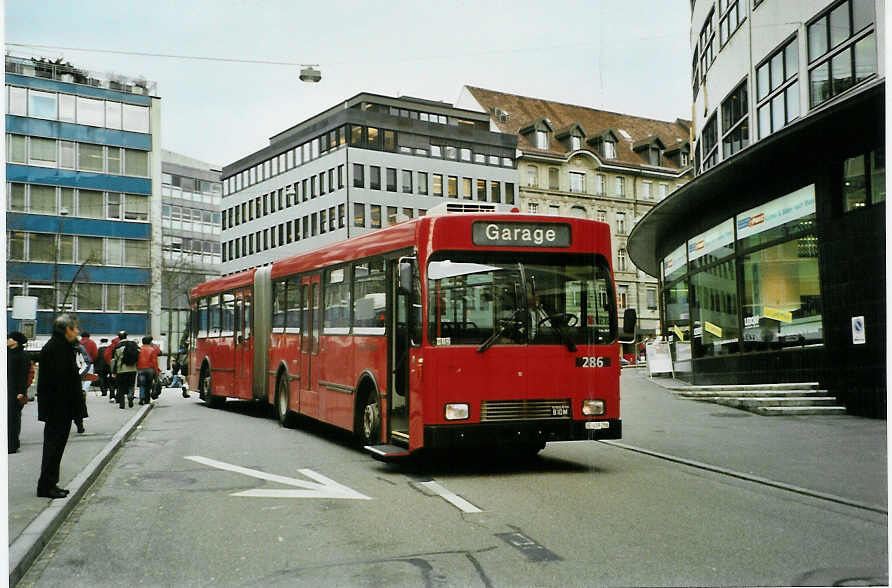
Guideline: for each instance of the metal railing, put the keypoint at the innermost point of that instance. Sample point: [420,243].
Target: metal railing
[63,71]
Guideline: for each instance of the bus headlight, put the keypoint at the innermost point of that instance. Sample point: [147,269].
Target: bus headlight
[457,411]
[592,407]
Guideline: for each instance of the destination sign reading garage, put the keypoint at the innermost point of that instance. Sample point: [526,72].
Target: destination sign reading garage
[511,234]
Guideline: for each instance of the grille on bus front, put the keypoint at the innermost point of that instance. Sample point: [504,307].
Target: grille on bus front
[513,410]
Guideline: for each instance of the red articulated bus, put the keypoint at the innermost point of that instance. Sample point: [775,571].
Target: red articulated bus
[459,329]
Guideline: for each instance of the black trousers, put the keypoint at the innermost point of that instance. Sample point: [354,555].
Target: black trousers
[55,437]
[14,422]
[125,382]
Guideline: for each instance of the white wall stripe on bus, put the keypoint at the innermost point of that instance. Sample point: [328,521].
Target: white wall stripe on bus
[454,499]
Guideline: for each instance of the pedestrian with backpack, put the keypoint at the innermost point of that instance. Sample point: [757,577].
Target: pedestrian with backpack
[108,355]
[125,357]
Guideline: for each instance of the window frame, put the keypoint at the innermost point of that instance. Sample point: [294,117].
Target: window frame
[832,52]
[736,102]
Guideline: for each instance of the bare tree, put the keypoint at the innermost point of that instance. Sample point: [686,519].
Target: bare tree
[178,277]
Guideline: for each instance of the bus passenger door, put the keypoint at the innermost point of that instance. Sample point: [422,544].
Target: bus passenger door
[309,345]
[243,361]
[400,344]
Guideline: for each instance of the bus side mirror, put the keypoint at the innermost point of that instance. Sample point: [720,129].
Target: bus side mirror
[406,277]
[630,331]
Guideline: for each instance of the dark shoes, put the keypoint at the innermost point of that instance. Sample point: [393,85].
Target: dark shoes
[185,394]
[54,492]
[80,428]
[130,402]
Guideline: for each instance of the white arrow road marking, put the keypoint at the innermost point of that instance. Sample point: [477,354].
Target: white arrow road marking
[322,488]
[453,499]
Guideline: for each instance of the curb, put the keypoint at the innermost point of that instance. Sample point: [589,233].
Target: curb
[27,546]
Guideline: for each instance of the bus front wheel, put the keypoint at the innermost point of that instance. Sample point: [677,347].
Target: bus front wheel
[205,390]
[370,427]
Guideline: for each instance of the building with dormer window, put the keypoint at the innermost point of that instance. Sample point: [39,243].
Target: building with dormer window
[777,271]
[580,161]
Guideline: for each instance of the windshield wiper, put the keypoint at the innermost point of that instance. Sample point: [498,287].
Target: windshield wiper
[514,321]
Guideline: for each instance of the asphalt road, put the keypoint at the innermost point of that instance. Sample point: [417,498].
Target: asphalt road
[167,512]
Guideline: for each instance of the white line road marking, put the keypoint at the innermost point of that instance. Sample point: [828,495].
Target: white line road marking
[323,487]
[454,499]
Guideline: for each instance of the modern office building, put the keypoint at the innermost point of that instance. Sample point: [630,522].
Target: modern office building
[83,199]
[356,167]
[191,194]
[580,161]
[772,259]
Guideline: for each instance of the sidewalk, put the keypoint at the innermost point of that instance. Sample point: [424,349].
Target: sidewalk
[840,455]
[33,520]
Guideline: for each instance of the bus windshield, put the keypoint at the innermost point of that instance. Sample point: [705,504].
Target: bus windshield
[493,298]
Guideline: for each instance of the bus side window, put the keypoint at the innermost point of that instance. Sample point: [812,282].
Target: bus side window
[337,301]
[248,322]
[305,335]
[279,304]
[228,309]
[237,318]
[203,318]
[369,297]
[214,316]
[293,306]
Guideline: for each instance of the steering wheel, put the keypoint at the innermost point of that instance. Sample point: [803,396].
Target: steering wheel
[564,319]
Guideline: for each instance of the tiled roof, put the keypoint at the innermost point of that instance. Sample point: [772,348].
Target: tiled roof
[523,111]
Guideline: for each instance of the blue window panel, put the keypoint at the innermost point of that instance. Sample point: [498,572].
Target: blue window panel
[77,179]
[52,129]
[97,323]
[42,223]
[79,89]
[46,272]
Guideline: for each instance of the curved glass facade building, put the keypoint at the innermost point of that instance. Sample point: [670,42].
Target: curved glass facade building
[771,260]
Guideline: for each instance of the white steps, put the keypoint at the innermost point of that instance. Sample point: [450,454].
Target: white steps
[795,399]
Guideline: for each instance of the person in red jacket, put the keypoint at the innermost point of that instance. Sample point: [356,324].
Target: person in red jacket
[147,368]
[90,346]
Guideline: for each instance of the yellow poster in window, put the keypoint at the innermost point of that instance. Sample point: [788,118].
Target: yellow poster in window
[713,329]
[678,332]
[778,315]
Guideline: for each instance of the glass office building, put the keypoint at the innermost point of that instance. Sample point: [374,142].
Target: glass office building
[772,260]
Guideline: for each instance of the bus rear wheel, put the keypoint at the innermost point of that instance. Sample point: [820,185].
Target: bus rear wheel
[287,418]
[370,425]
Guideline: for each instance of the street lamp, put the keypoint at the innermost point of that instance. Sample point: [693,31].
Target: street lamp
[309,74]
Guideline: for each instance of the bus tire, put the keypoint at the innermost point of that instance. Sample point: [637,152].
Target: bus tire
[204,389]
[370,416]
[286,416]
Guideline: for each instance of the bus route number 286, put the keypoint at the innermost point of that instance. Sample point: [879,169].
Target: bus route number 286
[592,362]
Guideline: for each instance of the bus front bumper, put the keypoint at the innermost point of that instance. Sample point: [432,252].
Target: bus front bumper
[519,432]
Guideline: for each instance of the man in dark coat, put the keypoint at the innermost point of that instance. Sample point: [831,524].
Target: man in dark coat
[17,368]
[58,400]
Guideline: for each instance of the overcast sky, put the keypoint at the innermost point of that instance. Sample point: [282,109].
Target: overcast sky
[628,56]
